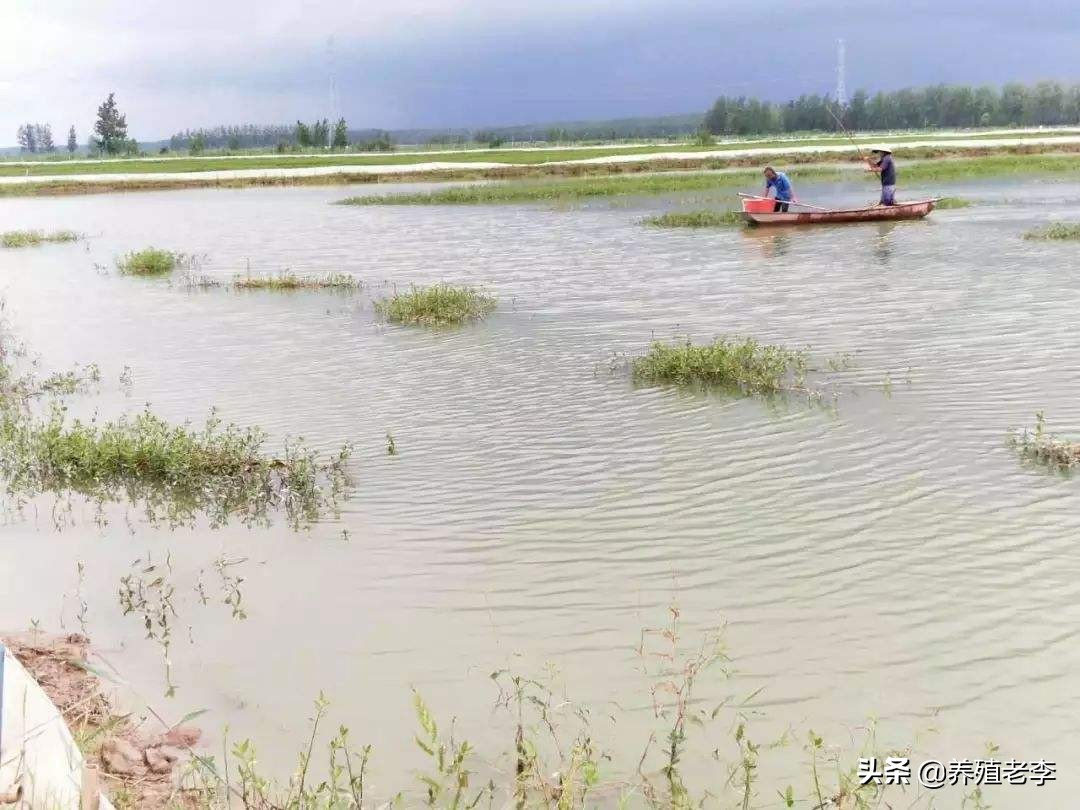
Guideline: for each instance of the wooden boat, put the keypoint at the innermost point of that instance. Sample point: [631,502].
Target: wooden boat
[821,216]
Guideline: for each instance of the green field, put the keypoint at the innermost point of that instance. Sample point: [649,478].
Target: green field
[583,188]
[521,157]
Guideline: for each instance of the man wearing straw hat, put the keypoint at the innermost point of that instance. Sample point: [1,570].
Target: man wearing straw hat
[887,169]
[778,181]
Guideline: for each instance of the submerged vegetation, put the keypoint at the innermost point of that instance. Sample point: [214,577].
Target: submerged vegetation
[175,471]
[946,203]
[523,191]
[148,262]
[437,305]
[1055,231]
[741,363]
[695,219]
[291,281]
[1044,448]
[18,239]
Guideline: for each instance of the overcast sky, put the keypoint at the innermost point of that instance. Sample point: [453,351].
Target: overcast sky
[451,63]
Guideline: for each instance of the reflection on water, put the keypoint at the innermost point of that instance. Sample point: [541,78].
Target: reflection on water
[772,242]
[890,558]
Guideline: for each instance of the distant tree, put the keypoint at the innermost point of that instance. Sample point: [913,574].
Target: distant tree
[73,141]
[27,136]
[492,139]
[111,128]
[320,133]
[341,135]
[45,138]
[234,143]
[379,143]
[303,135]
[197,145]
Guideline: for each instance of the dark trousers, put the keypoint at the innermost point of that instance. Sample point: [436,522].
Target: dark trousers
[780,207]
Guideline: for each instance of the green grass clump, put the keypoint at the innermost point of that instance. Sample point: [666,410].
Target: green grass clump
[1055,230]
[175,469]
[946,203]
[696,219]
[1045,449]
[741,363]
[148,262]
[540,191]
[438,305]
[17,239]
[291,281]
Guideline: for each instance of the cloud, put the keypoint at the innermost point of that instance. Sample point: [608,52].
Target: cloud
[479,62]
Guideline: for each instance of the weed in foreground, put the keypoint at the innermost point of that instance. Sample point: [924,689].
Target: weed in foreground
[695,219]
[1043,448]
[1055,231]
[438,305]
[176,472]
[554,756]
[148,262]
[740,363]
[18,239]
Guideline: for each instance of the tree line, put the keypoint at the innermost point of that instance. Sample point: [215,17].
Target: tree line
[110,134]
[1047,103]
[35,138]
[316,135]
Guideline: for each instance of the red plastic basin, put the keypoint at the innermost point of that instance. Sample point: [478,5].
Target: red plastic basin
[757,206]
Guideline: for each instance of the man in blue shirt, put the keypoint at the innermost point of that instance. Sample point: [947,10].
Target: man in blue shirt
[887,169]
[783,192]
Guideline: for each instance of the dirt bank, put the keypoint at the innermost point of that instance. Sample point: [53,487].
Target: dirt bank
[139,768]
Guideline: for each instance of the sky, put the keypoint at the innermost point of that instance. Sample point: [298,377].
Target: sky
[474,63]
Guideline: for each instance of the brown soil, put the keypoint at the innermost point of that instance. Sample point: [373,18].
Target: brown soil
[138,769]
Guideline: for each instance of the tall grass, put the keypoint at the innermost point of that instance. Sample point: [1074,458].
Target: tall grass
[741,363]
[696,219]
[18,239]
[438,305]
[148,262]
[1055,231]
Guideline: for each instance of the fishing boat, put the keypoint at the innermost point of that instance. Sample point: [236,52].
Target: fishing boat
[759,211]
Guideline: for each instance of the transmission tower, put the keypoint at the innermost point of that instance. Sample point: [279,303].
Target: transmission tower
[841,90]
[335,104]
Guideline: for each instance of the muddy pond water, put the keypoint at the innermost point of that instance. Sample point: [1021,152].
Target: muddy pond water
[889,557]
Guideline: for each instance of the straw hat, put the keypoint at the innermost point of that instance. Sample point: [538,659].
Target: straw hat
[887,150]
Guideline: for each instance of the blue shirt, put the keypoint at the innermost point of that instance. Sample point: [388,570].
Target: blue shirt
[781,184]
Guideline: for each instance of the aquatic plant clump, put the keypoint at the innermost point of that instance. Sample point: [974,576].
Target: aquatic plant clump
[696,219]
[1056,230]
[947,203]
[176,470]
[1043,448]
[743,363]
[18,239]
[438,305]
[148,262]
[291,281]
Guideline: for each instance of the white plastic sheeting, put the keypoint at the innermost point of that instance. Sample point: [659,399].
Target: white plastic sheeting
[37,751]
